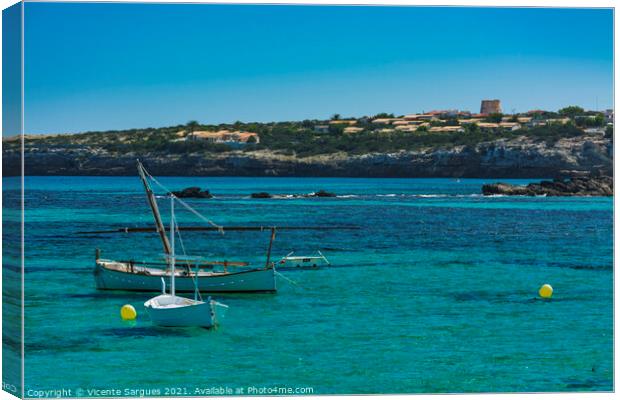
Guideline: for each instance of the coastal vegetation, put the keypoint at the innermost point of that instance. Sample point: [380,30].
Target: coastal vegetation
[301,139]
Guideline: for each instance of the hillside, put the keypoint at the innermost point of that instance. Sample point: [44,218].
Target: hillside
[296,149]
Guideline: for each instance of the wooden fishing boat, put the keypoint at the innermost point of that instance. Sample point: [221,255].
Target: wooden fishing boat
[209,276]
[139,276]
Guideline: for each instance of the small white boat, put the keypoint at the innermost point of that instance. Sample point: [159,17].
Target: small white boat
[303,262]
[169,310]
[173,310]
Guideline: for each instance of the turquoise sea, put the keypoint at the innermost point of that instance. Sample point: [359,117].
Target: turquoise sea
[436,293]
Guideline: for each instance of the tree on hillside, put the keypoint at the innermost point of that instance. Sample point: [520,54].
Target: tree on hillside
[336,129]
[571,111]
[472,128]
[589,121]
[383,115]
[336,116]
[192,126]
[495,117]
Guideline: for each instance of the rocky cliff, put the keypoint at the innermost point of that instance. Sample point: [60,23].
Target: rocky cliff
[504,158]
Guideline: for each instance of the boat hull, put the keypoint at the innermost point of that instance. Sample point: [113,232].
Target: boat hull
[192,313]
[302,263]
[253,280]
[290,262]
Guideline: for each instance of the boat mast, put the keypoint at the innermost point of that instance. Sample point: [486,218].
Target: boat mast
[151,198]
[273,236]
[172,258]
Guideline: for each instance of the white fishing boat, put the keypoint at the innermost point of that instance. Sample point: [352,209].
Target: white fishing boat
[175,311]
[303,262]
[209,276]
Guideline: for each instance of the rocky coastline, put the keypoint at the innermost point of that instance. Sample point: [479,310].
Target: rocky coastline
[519,157]
[574,186]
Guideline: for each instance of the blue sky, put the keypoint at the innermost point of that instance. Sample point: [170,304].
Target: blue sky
[11,70]
[116,66]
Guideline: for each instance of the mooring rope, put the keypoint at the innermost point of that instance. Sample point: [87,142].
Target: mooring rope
[285,278]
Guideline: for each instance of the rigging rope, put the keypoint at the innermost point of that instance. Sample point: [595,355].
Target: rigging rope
[202,217]
[189,269]
[184,204]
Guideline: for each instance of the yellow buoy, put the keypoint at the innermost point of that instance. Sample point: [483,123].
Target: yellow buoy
[128,312]
[545,291]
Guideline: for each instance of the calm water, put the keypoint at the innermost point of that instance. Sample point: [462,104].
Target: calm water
[436,293]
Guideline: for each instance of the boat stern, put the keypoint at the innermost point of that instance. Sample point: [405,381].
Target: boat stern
[218,310]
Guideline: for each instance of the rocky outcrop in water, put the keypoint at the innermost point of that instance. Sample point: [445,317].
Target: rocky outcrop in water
[265,195]
[322,193]
[193,192]
[261,195]
[520,157]
[575,186]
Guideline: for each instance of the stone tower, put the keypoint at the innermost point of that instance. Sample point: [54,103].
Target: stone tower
[490,107]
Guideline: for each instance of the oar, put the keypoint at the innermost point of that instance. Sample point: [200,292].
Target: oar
[230,228]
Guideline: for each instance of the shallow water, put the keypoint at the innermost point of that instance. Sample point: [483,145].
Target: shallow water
[437,292]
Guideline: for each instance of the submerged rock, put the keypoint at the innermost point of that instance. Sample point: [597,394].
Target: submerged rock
[193,192]
[574,186]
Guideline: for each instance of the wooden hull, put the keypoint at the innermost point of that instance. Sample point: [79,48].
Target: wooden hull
[252,280]
[185,312]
